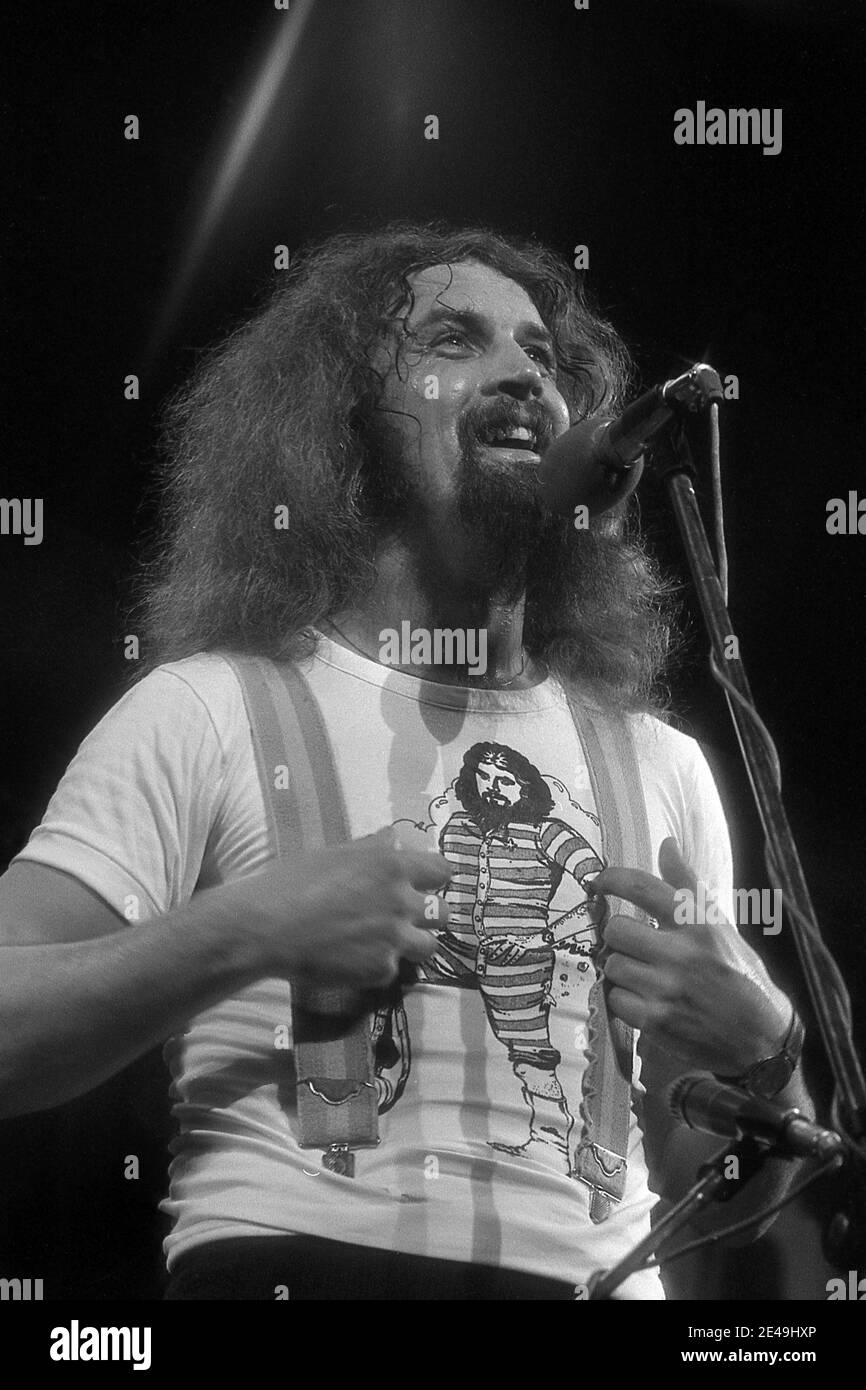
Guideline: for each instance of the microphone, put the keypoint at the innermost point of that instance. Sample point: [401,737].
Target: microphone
[598,463]
[702,1102]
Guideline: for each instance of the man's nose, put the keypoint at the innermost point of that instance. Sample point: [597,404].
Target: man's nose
[515,375]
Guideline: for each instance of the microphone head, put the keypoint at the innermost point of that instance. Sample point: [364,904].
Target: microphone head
[580,469]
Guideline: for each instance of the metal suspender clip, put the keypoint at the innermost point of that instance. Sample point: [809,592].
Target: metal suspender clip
[339,1159]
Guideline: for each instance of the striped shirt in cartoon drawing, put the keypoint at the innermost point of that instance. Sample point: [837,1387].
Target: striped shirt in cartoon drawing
[510,853]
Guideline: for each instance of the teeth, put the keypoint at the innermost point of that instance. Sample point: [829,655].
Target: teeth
[516,432]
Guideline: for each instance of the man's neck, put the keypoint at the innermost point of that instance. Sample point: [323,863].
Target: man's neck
[397,624]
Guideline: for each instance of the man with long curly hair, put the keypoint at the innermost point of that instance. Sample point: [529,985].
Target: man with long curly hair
[362,455]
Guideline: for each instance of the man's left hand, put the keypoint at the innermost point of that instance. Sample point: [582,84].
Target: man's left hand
[700,992]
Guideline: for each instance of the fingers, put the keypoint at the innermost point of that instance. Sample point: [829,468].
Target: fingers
[416,939]
[423,868]
[416,944]
[635,886]
[426,870]
[639,941]
[387,836]
[426,910]
[645,980]
[628,1006]
[390,952]
[656,896]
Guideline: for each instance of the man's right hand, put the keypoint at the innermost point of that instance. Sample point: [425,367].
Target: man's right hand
[83,992]
[342,916]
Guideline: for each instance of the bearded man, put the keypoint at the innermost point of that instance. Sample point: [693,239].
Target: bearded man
[361,454]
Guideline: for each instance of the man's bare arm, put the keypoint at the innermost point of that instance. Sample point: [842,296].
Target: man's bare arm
[703,1001]
[675,1152]
[81,995]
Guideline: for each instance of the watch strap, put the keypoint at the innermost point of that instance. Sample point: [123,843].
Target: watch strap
[770,1075]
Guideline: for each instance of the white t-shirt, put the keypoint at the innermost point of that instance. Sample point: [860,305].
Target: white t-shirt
[481,1068]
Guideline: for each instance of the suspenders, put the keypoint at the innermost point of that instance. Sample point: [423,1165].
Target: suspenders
[336,1092]
[619,803]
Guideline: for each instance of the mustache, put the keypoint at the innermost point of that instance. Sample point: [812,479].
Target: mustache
[483,417]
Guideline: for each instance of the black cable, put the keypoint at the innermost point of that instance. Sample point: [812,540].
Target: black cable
[718,509]
[807,926]
[715,1236]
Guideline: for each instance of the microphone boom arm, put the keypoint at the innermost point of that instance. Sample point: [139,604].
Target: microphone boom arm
[714,1184]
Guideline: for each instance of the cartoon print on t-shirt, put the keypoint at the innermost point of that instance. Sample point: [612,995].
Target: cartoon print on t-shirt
[510,831]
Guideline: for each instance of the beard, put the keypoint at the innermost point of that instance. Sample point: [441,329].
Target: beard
[515,540]
[498,506]
[491,817]
[514,536]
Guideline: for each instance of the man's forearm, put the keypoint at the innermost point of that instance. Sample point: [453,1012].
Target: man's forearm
[686,1149]
[73,1014]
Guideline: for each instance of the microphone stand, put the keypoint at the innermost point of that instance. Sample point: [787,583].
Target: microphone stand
[671,462]
[714,1184]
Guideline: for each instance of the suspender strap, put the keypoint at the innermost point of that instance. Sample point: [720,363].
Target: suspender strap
[601,1159]
[336,1093]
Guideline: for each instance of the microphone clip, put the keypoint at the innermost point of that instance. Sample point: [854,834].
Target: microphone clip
[700,386]
[684,396]
[736,1166]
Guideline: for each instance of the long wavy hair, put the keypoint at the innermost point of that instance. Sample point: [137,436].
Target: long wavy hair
[535,801]
[278,416]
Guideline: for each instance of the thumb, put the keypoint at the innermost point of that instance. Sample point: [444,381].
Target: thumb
[673,867]
[390,835]
[385,835]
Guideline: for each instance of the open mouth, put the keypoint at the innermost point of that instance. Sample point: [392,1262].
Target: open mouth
[519,438]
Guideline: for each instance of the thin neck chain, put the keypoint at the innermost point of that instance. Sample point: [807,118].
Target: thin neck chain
[503,685]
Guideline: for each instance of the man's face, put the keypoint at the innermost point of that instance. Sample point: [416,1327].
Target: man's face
[470,401]
[497,786]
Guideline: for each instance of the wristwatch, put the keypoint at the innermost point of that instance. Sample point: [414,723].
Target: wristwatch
[765,1079]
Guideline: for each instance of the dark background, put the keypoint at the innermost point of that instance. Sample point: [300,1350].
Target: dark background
[553,122]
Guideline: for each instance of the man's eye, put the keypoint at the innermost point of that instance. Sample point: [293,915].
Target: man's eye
[455,336]
[545,357]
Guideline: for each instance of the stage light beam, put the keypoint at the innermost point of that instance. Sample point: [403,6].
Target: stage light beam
[241,145]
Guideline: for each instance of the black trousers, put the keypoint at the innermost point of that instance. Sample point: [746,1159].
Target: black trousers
[308,1267]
